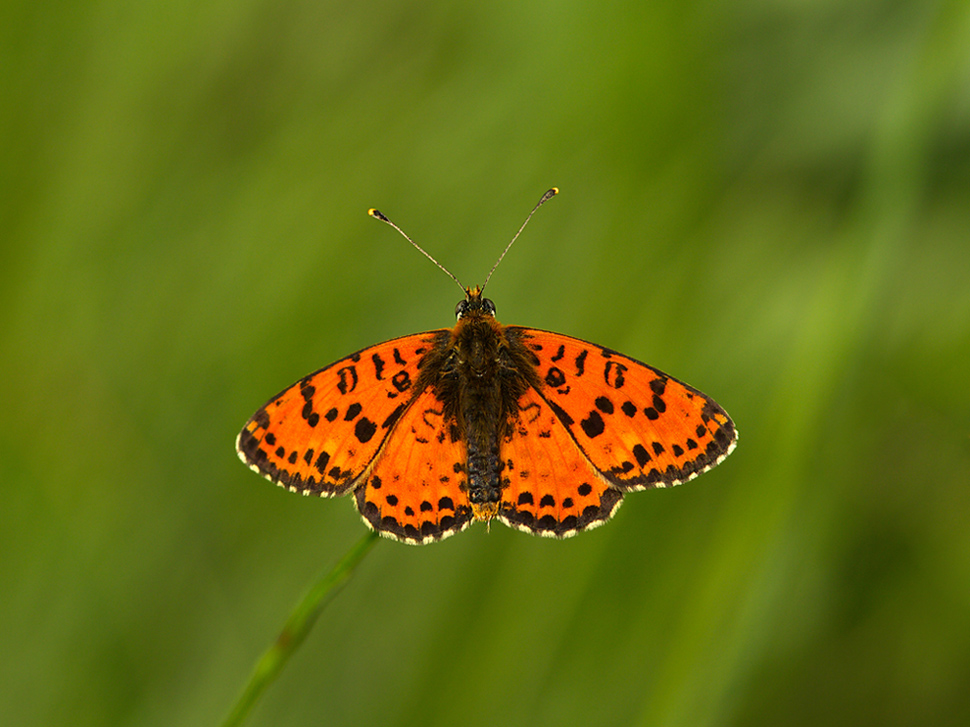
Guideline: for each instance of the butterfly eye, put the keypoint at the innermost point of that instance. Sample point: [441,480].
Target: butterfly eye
[488,306]
[461,308]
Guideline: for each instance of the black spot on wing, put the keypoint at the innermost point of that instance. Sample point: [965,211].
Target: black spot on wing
[364,430]
[555,377]
[593,424]
[581,362]
[561,414]
[378,366]
[604,405]
[393,416]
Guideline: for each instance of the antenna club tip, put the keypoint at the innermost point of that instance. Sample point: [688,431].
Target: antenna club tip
[549,195]
[376,214]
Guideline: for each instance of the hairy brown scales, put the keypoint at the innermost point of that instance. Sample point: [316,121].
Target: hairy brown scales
[479,373]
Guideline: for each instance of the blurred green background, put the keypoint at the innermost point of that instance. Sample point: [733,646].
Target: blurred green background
[770,200]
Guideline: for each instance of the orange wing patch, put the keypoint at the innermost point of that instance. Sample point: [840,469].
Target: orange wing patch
[639,427]
[320,434]
[416,489]
[552,488]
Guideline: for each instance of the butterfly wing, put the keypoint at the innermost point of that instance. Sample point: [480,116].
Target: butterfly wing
[598,424]
[637,426]
[552,489]
[414,491]
[323,432]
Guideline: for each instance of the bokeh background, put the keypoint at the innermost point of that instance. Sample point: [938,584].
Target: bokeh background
[767,198]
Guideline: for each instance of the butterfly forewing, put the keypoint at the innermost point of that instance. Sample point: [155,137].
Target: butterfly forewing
[323,432]
[637,426]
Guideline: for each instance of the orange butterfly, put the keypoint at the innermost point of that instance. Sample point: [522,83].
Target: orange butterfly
[434,430]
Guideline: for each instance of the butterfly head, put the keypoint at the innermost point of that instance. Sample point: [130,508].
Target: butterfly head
[474,304]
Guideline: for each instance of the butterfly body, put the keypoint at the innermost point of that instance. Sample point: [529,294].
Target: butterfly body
[483,421]
[478,377]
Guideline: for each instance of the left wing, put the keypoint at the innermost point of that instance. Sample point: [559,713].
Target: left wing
[415,490]
[320,434]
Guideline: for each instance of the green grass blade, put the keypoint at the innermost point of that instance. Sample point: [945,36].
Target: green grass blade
[297,626]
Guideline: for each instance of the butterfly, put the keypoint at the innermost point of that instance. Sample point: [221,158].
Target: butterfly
[433,431]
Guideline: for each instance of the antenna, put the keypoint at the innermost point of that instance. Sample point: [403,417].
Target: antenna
[545,198]
[377,214]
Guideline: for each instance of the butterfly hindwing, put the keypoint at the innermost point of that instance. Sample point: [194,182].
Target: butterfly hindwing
[415,490]
[320,434]
[552,489]
[636,425]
